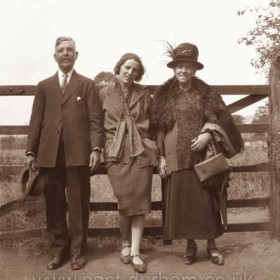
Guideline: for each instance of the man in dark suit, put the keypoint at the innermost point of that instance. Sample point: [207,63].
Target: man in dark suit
[64,141]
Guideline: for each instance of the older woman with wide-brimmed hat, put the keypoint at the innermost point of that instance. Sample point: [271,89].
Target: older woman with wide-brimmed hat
[129,152]
[188,116]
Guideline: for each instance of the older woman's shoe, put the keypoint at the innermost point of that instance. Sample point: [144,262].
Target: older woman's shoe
[125,258]
[215,257]
[189,257]
[140,268]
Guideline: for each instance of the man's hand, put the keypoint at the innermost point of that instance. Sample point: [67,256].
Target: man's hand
[31,162]
[94,160]
[162,167]
[200,142]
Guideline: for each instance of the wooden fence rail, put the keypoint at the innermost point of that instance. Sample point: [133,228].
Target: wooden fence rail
[254,92]
[244,128]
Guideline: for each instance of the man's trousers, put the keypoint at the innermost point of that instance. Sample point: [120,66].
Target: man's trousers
[72,185]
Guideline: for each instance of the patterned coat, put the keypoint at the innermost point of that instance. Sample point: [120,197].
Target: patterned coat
[178,118]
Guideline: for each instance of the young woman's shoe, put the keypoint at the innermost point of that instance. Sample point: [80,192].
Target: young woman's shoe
[215,257]
[189,257]
[125,255]
[140,268]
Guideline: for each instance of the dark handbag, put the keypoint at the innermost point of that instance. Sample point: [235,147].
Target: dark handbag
[211,167]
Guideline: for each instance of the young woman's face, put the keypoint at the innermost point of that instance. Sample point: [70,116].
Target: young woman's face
[129,71]
[184,71]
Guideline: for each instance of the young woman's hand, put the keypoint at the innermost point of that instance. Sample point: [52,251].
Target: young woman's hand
[162,167]
[200,142]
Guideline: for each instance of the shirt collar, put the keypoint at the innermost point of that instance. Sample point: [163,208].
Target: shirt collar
[61,75]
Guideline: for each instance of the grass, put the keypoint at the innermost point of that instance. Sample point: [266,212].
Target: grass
[242,185]
[12,157]
[250,184]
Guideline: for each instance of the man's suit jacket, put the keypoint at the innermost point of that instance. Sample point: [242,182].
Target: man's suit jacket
[77,115]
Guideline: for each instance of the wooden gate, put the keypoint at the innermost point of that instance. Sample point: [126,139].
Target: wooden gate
[252,93]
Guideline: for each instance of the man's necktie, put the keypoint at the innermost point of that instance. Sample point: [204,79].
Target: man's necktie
[64,83]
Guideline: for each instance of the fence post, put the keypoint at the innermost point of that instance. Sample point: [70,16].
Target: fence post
[274,148]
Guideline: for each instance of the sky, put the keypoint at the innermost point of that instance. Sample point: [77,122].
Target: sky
[105,30]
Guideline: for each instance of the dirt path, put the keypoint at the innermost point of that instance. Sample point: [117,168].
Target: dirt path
[249,256]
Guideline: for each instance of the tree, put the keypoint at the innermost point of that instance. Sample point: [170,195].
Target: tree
[238,119]
[104,78]
[265,37]
[261,114]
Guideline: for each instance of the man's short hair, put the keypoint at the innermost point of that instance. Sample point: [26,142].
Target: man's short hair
[63,39]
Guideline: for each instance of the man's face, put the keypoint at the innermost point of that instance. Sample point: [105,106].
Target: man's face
[65,55]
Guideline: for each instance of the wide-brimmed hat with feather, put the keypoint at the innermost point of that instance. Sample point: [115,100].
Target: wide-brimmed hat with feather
[185,52]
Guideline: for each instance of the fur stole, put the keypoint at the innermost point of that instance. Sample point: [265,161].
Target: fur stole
[215,110]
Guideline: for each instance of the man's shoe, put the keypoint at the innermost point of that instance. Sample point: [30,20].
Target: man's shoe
[77,262]
[55,262]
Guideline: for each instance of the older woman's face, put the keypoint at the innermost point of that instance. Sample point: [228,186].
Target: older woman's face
[184,71]
[129,71]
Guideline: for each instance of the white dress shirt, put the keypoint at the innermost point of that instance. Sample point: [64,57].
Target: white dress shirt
[61,76]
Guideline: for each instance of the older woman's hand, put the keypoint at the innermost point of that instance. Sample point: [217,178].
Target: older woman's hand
[162,167]
[200,142]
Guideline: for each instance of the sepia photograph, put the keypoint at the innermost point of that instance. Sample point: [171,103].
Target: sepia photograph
[140,140]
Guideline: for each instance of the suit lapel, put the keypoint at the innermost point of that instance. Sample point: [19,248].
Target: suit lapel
[73,84]
[136,94]
[55,88]
[114,95]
